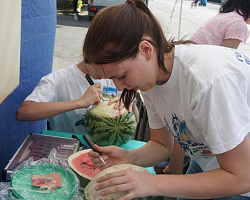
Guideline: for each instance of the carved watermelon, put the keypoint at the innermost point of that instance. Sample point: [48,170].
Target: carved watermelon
[91,194]
[109,126]
[82,164]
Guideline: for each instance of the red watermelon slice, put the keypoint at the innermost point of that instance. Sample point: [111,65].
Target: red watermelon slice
[82,164]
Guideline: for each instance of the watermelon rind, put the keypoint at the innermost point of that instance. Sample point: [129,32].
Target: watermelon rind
[109,126]
[83,178]
[91,194]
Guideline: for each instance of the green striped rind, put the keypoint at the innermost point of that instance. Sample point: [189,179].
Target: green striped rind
[106,131]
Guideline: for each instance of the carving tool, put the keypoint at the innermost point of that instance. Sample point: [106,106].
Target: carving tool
[91,145]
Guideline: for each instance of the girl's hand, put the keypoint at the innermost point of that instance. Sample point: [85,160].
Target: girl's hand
[137,184]
[119,105]
[93,95]
[112,155]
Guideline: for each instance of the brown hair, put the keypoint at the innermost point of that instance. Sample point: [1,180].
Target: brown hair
[115,33]
[242,7]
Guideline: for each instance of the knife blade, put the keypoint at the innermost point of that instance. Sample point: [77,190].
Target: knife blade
[89,79]
[91,145]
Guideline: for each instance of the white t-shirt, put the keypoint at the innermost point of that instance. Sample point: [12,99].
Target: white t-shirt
[206,102]
[64,85]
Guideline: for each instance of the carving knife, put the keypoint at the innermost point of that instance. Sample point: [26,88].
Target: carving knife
[91,144]
[90,81]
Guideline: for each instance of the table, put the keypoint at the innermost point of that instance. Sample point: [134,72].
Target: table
[132,144]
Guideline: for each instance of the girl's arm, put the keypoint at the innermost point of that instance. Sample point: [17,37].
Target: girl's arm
[31,110]
[231,179]
[231,43]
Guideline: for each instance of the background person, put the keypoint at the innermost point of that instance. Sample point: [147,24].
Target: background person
[64,96]
[228,28]
[197,94]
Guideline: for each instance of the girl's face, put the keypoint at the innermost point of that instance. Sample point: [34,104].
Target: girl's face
[138,73]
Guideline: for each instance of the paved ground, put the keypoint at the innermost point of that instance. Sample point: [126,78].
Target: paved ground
[70,33]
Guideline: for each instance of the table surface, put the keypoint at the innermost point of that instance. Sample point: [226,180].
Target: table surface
[132,144]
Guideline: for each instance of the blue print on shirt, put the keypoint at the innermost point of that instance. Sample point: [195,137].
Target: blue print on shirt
[241,57]
[247,59]
[181,133]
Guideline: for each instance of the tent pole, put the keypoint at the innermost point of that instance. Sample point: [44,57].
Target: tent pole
[179,33]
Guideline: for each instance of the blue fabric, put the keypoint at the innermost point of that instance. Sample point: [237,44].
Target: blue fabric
[38,28]
[195,168]
[204,2]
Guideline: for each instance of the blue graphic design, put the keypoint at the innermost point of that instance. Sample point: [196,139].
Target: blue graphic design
[247,59]
[109,92]
[238,56]
[241,56]
[181,133]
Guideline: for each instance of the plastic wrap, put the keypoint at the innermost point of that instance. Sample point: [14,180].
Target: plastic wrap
[21,185]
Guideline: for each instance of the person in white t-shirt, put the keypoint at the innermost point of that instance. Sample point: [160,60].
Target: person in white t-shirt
[64,96]
[197,94]
[228,28]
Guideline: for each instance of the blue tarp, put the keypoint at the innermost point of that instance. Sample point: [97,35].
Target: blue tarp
[38,28]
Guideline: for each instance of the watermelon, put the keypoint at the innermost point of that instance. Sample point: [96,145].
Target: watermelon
[109,126]
[82,165]
[91,194]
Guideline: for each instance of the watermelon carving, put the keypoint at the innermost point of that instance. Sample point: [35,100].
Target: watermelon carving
[109,126]
[82,164]
[91,194]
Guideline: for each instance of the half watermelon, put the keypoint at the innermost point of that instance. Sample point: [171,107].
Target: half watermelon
[82,165]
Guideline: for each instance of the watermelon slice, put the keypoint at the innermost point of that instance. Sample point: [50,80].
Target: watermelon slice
[82,164]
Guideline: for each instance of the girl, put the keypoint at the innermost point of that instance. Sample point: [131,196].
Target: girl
[197,94]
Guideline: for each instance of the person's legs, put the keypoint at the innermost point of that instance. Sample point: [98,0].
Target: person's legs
[75,6]
[76,13]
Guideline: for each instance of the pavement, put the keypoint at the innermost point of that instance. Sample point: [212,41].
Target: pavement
[177,18]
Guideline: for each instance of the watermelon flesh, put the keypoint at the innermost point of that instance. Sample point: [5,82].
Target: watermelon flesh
[109,126]
[82,164]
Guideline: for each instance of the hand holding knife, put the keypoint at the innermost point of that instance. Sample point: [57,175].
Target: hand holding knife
[90,81]
[91,144]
